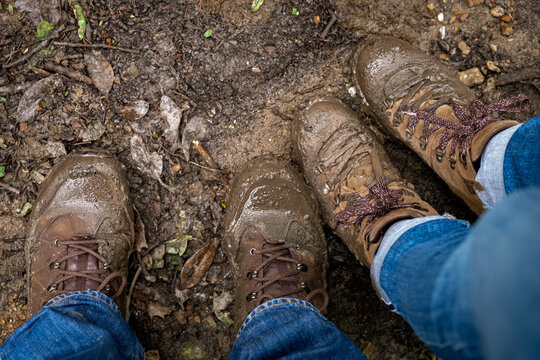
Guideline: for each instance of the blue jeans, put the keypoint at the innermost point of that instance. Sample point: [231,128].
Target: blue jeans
[468,292]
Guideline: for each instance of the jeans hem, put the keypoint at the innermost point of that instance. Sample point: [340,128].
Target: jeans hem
[274,303]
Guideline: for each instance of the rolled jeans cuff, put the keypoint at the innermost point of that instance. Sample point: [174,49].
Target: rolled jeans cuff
[84,297]
[276,304]
[393,233]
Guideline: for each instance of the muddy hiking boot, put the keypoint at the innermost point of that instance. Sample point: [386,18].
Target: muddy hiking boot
[81,230]
[423,103]
[274,238]
[359,190]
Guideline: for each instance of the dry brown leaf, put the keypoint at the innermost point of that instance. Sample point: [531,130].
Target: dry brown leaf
[156,309]
[148,163]
[140,236]
[100,71]
[197,266]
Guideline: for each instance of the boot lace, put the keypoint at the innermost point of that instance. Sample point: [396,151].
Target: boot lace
[274,253]
[376,204]
[85,245]
[473,119]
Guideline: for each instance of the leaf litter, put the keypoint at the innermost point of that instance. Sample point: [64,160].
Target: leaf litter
[197,266]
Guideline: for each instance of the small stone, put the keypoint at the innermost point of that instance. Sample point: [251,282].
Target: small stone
[506,28]
[497,11]
[493,47]
[472,76]
[175,168]
[452,19]
[465,49]
[316,19]
[431,6]
[473,3]
[269,49]
[464,16]
[492,66]
[440,17]
[444,57]
[506,18]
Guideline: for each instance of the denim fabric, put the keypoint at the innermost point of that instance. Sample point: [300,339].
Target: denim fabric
[471,293]
[522,157]
[291,329]
[77,325]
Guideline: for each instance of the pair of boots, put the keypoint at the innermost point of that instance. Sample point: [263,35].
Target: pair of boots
[81,230]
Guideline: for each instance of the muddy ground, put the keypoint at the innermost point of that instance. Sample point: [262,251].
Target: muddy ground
[237,91]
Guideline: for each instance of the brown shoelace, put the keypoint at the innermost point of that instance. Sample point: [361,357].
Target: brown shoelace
[273,253]
[85,245]
[473,119]
[376,204]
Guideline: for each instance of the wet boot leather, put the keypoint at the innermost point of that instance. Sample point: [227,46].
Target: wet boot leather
[80,231]
[359,190]
[423,103]
[273,238]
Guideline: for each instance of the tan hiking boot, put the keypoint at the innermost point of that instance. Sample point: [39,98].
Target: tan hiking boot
[423,103]
[80,232]
[274,238]
[360,192]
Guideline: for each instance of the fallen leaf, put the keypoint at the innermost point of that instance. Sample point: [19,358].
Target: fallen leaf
[197,266]
[256,4]
[93,132]
[100,71]
[183,295]
[34,95]
[150,164]
[172,114]
[221,302]
[156,309]
[43,29]
[178,245]
[193,352]
[81,21]
[194,130]
[208,33]
[25,210]
[140,236]
[225,318]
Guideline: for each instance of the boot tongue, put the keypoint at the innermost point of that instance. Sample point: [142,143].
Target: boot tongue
[81,263]
[276,269]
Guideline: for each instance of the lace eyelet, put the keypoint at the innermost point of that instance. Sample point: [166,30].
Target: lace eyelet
[106,266]
[304,286]
[55,265]
[398,119]
[301,267]
[251,296]
[252,274]
[439,154]
[409,132]
[252,251]
[423,143]
[453,161]
[52,287]
[463,159]
[107,288]
[57,242]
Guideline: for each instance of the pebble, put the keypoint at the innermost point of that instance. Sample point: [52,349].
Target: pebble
[506,18]
[430,6]
[472,76]
[440,17]
[506,28]
[497,11]
[492,66]
[465,49]
[472,3]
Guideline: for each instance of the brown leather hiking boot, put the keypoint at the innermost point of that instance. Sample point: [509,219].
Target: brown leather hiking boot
[274,238]
[360,192]
[81,230]
[423,103]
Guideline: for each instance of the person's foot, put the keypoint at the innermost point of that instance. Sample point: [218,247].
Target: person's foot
[274,238]
[423,103]
[360,192]
[80,232]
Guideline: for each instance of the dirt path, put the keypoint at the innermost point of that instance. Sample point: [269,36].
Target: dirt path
[237,90]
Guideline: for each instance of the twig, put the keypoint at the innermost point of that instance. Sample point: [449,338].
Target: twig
[14,88]
[10,188]
[204,154]
[329,25]
[44,43]
[102,46]
[62,70]
[202,166]
[520,75]
[130,292]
